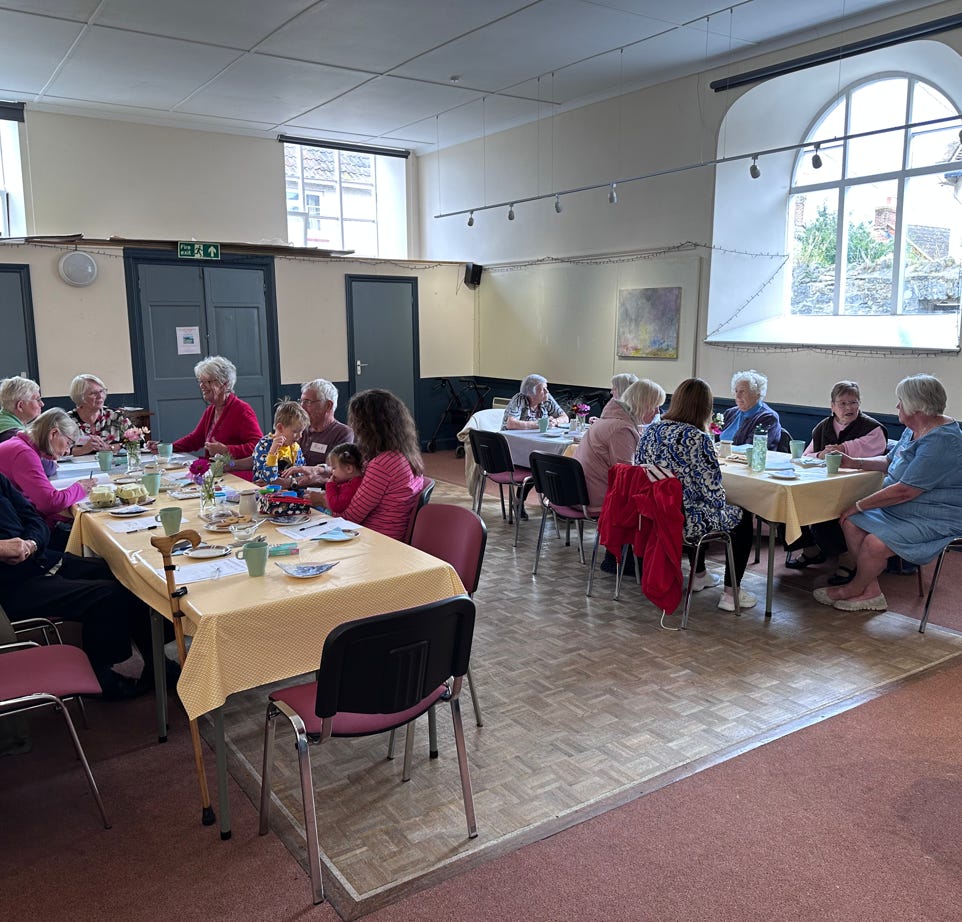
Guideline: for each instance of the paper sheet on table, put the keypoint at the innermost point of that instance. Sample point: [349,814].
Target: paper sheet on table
[61,483]
[199,572]
[306,532]
[136,523]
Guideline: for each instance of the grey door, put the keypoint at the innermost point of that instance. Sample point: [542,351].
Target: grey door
[382,323]
[18,345]
[227,307]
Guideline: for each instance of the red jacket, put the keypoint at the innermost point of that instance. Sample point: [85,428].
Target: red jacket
[648,516]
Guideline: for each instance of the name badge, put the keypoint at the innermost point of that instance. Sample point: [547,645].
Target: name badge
[319,448]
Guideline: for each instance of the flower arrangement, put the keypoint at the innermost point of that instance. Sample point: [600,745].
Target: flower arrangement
[133,438]
[580,409]
[717,422]
[205,474]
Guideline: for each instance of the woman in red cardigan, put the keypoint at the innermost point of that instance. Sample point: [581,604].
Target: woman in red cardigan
[229,425]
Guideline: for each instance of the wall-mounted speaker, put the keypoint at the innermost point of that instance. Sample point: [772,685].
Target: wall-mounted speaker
[472,275]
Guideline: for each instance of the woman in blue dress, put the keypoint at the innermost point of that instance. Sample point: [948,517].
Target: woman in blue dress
[919,508]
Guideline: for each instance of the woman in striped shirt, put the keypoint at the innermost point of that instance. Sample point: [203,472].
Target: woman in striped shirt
[384,431]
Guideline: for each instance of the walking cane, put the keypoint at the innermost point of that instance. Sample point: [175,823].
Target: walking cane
[165,545]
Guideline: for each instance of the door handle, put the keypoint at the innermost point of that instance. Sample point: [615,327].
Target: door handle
[361,365]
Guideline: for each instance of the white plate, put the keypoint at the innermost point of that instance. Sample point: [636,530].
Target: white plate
[203,552]
[298,519]
[552,434]
[305,570]
[339,534]
[128,511]
[122,480]
[783,475]
[220,529]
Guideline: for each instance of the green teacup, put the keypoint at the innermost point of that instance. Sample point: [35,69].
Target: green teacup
[543,424]
[254,554]
[151,482]
[796,446]
[833,461]
[169,517]
[106,461]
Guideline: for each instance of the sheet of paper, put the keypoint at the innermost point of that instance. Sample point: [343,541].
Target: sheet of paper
[306,532]
[136,523]
[210,569]
[61,483]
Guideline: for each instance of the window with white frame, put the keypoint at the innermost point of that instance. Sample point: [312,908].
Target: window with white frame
[345,200]
[898,247]
[864,250]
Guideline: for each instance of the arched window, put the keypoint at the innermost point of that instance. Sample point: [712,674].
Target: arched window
[898,247]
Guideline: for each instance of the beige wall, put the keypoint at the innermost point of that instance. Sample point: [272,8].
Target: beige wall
[564,329]
[86,329]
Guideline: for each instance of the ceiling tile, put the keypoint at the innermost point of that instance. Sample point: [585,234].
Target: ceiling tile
[68,9]
[137,70]
[236,23]
[386,104]
[271,89]
[31,47]
[340,32]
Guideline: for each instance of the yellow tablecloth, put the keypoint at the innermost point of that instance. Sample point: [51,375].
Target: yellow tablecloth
[250,631]
[813,497]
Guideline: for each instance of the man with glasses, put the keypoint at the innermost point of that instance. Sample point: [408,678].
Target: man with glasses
[319,399]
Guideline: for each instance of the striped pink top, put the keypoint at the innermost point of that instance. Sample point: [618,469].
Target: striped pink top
[387,495]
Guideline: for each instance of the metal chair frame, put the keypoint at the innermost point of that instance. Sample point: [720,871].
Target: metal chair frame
[954,545]
[493,456]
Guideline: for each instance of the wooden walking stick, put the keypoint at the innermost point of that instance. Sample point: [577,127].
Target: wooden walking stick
[165,546]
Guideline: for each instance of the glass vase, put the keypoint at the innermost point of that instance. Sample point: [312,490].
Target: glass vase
[208,501]
[580,422]
[133,457]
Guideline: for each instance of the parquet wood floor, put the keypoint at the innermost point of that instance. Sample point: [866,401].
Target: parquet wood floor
[587,704]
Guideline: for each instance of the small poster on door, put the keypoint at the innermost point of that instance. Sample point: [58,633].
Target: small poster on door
[188,340]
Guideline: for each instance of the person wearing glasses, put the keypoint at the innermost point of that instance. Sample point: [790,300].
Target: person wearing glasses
[319,399]
[52,436]
[857,435]
[101,429]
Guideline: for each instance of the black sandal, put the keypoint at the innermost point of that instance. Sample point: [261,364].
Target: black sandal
[842,579]
[801,562]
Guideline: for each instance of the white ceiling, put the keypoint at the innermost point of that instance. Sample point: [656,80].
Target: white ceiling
[400,73]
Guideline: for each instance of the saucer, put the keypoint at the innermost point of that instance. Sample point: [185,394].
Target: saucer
[206,551]
[305,570]
[783,475]
[289,519]
[552,434]
[339,534]
[127,511]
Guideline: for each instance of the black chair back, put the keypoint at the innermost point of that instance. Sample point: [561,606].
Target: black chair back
[423,500]
[388,663]
[491,452]
[558,479]
[783,442]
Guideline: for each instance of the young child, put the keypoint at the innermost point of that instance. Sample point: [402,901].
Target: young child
[346,473]
[278,450]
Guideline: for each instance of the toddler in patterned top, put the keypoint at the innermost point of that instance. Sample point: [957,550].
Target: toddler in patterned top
[279,450]
[347,470]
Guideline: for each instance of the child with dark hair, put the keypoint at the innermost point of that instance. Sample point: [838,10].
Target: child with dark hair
[347,471]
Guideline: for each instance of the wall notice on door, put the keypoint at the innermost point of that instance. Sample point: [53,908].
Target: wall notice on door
[188,340]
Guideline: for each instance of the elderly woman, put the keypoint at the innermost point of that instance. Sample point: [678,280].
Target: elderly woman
[621,383]
[229,425]
[918,510]
[750,411]
[533,403]
[21,404]
[51,435]
[857,435]
[681,444]
[385,433]
[100,427]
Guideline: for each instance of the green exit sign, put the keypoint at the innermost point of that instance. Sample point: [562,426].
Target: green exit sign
[193,249]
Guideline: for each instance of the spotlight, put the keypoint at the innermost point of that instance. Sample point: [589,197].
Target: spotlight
[960,136]
[816,159]
[753,170]
[511,212]
[557,204]
[471,219]
[612,195]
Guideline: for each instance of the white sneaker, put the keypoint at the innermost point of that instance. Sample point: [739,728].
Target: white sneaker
[704,580]
[746,599]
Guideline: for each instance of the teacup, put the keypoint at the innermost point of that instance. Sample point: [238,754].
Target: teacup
[833,461]
[796,446]
[169,517]
[106,461]
[724,448]
[151,482]
[254,554]
[164,451]
[543,424]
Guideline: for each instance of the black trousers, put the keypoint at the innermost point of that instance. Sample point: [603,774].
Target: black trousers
[742,536]
[84,590]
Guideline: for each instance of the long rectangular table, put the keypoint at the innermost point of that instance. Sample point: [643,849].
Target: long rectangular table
[251,631]
[813,497]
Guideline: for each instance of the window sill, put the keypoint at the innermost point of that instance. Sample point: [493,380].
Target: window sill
[911,332]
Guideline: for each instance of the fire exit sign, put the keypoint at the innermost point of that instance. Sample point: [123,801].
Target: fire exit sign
[193,249]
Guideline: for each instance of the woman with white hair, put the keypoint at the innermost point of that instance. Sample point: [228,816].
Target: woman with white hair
[101,429]
[51,435]
[20,403]
[229,425]
[918,510]
[621,383]
[750,411]
[533,403]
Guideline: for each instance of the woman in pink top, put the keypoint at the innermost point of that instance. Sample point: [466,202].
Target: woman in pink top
[51,435]
[384,431]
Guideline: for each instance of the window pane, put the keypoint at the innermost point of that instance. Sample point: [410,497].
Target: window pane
[361,236]
[359,202]
[932,246]
[324,233]
[877,105]
[938,143]
[814,218]
[831,126]
[870,214]
[297,229]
